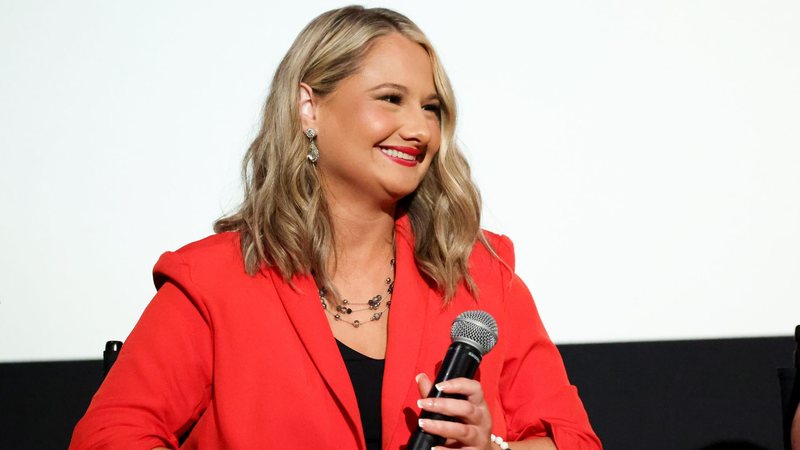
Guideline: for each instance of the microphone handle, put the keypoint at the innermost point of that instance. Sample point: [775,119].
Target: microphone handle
[461,360]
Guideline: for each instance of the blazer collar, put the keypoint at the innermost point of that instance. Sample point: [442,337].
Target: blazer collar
[406,324]
[302,305]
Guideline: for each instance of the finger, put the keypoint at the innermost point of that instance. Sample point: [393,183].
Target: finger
[469,388]
[463,409]
[424,384]
[466,435]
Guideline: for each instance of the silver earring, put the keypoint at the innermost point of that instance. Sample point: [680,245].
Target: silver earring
[313,151]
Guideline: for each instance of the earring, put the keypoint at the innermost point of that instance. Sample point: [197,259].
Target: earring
[313,151]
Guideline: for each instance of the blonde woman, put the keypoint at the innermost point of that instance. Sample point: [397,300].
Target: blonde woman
[317,315]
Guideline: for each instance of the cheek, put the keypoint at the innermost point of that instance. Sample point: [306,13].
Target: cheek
[436,137]
[373,124]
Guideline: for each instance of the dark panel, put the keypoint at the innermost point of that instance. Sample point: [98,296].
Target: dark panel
[41,402]
[682,394]
[679,395]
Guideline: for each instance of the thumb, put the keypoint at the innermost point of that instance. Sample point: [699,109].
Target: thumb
[424,384]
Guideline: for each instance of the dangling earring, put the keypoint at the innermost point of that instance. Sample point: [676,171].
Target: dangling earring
[313,151]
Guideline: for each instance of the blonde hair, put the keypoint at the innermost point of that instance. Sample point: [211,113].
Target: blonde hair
[284,220]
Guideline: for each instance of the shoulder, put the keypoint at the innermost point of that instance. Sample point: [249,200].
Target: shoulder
[215,256]
[491,264]
[500,251]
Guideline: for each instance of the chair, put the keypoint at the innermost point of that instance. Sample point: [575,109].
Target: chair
[110,355]
[790,391]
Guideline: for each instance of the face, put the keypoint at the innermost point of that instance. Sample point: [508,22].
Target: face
[379,129]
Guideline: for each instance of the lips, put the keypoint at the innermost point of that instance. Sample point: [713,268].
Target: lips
[406,156]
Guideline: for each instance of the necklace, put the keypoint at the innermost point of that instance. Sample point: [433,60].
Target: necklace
[347,307]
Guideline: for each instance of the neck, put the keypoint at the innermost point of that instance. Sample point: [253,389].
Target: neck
[362,238]
[363,234]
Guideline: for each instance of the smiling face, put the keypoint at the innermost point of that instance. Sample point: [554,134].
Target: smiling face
[379,129]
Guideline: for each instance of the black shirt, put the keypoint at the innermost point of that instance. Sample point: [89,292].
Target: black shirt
[366,374]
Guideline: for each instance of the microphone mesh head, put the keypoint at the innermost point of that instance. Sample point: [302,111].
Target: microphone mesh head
[476,328]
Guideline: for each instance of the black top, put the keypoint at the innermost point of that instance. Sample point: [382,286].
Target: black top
[366,374]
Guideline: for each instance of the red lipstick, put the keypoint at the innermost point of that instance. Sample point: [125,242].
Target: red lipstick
[410,153]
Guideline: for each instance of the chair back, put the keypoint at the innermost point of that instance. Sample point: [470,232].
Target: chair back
[110,355]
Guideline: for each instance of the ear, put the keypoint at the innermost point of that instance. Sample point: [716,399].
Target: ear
[307,107]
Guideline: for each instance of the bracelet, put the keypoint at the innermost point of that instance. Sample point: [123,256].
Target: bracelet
[499,441]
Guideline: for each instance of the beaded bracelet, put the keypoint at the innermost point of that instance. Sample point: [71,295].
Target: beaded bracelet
[499,441]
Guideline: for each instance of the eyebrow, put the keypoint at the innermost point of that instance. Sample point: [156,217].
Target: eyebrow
[402,89]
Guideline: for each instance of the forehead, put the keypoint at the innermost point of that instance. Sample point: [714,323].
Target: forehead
[397,59]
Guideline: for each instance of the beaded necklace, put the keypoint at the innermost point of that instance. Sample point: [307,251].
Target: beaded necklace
[346,308]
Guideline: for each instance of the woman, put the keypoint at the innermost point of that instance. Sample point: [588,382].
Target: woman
[317,315]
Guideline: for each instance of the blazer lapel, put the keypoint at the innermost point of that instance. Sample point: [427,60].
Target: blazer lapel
[303,307]
[406,325]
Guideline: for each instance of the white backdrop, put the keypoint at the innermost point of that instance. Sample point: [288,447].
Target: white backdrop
[644,156]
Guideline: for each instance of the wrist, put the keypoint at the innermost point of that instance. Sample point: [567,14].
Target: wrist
[498,442]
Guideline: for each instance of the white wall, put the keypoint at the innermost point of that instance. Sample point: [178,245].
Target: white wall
[644,156]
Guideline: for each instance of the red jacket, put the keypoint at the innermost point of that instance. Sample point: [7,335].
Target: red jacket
[253,361]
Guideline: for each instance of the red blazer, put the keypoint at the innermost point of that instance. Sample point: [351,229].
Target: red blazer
[252,360]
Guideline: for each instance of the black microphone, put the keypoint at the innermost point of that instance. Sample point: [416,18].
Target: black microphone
[474,333]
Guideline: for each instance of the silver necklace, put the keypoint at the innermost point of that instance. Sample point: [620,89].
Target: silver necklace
[347,307]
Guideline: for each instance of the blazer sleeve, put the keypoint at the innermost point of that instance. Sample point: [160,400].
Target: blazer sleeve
[537,397]
[161,381]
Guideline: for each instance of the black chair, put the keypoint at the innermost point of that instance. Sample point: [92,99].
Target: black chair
[110,355]
[790,391]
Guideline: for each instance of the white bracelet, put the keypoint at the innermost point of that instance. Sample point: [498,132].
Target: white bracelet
[499,441]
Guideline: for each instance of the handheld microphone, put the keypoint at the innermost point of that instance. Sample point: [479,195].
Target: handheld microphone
[474,333]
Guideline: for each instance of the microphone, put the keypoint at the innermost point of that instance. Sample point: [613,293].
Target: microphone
[474,333]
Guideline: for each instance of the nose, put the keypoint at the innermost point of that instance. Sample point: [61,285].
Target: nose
[416,126]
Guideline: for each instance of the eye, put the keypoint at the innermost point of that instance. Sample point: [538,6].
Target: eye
[434,108]
[392,98]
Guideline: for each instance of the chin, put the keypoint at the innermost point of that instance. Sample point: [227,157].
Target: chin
[398,187]
[399,191]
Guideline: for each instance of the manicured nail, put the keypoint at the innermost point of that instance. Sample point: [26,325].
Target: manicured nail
[441,386]
[419,403]
[416,378]
[422,423]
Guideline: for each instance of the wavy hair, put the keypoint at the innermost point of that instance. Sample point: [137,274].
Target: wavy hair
[284,220]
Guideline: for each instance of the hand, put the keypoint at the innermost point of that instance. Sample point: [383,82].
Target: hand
[475,428]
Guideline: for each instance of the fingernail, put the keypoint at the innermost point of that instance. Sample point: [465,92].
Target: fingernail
[416,378]
[422,423]
[419,403]
[441,386]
